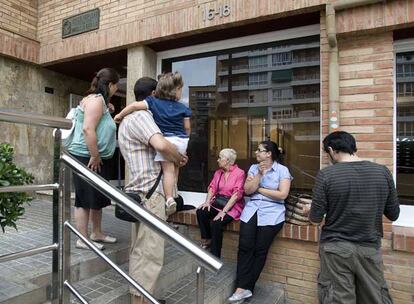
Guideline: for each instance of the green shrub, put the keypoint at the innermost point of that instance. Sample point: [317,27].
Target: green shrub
[11,204]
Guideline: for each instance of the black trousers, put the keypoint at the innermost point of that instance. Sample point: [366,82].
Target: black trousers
[212,229]
[254,244]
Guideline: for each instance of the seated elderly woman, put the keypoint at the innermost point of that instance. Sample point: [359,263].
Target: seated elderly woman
[224,202]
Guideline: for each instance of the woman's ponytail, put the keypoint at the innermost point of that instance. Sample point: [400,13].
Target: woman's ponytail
[100,83]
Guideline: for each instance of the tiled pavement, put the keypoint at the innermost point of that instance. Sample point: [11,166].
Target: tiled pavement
[35,229]
[110,287]
[21,280]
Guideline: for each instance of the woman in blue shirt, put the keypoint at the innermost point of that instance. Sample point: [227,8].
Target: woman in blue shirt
[268,184]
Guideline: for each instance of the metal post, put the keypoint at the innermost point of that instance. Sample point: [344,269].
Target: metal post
[56,253]
[200,284]
[65,205]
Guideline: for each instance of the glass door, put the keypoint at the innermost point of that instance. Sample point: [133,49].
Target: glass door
[240,97]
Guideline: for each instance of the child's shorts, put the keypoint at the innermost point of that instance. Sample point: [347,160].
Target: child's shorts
[179,142]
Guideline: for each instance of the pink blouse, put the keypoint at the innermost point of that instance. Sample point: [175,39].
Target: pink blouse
[233,184]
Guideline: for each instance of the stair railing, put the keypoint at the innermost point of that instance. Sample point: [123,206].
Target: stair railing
[63,166]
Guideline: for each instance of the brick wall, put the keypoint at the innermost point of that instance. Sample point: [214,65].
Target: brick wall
[390,14]
[19,17]
[134,21]
[18,29]
[366,94]
[130,22]
[399,268]
[324,59]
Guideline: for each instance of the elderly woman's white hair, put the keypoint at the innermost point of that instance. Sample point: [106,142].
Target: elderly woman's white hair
[230,154]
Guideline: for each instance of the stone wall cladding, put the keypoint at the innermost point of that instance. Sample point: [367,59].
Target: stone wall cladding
[22,88]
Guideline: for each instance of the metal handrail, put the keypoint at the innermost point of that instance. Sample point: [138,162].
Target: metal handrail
[130,280]
[34,119]
[203,258]
[61,211]
[26,253]
[14,116]
[75,292]
[29,188]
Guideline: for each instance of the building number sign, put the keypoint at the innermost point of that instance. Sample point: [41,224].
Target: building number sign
[211,13]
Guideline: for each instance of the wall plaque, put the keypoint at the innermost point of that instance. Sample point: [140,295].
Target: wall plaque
[82,23]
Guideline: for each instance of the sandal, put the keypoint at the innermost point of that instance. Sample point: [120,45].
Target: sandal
[170,203]
[107,239]
[170,207]
[81,245]
[205,244]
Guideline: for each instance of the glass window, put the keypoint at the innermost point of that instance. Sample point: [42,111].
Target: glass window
[257,78]
[282,58]
[240,97]
[405,127]
[257,62]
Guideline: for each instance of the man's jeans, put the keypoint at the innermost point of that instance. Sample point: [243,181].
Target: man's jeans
[351,273]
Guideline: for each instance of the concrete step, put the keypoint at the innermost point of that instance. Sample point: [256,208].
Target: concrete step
[110,287]
[27,280]
[218,287]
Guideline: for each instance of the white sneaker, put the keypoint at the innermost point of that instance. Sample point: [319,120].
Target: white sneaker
[238,296]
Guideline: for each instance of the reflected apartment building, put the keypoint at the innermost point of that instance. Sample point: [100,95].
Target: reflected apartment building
[202,101]
[405,124]
[275,89]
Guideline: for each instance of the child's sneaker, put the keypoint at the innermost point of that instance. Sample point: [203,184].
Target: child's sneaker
[170,206]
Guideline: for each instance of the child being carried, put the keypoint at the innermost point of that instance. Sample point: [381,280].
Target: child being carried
[173,119]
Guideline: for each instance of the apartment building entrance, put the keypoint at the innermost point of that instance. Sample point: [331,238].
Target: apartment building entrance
[242,93]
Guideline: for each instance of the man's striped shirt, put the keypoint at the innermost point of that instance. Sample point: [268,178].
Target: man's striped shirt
[134,134]
[354,196]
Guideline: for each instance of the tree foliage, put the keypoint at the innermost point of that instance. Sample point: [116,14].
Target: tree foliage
[12,203]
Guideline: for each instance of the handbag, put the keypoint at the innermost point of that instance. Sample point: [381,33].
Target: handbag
[67,135]
[220,200]
[123,215]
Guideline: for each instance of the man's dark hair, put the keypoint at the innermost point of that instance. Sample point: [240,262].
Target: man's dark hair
[340,141]
[144,87]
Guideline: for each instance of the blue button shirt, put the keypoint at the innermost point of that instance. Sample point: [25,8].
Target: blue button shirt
[269,212]
[168,115]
